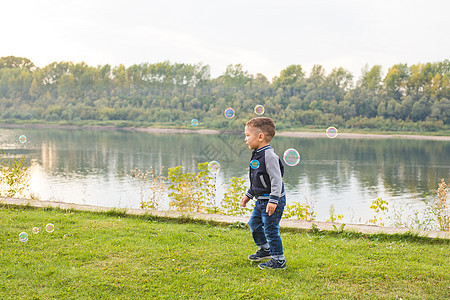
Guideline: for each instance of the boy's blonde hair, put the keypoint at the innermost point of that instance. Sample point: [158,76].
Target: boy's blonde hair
[264,124]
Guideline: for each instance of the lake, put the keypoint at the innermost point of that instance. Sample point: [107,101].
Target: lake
[94,167]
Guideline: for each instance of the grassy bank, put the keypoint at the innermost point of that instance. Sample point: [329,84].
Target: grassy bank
[108,256]
[186,125]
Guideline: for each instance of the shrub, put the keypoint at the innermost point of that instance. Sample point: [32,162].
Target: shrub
[231,203]
[301,211]
[152,187]
[378,206]
[189,190]
[14,177]
[333,216]
[440,207]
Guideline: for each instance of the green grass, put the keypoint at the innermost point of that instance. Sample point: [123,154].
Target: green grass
[115,256]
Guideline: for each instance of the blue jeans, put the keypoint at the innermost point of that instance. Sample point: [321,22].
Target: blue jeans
[265,228]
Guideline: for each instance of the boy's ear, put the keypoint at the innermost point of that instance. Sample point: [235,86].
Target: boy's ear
[261,136]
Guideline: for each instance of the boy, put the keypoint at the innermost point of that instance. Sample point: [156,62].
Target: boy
[266,185]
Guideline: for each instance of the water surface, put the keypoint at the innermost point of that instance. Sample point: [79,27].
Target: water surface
[93,167]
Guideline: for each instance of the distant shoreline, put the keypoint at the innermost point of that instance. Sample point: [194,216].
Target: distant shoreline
[296,134]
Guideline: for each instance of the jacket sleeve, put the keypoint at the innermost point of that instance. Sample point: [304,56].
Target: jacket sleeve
[276,180]
[249,194]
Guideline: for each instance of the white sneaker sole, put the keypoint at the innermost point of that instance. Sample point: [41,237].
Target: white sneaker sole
[260,259]
[265,268]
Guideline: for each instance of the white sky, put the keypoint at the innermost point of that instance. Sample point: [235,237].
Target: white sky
[264,36]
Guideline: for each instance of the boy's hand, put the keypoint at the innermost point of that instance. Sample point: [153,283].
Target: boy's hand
[244,201]
[270,208]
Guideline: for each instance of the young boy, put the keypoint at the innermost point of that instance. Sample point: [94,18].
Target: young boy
[266,185]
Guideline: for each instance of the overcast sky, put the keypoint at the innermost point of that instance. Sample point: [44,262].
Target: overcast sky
[264,36]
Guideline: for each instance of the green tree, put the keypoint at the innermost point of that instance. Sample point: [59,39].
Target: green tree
[235,76]
[337,84]
[371,79]
[13,62]
[420,110]
[291,80]
[396,80]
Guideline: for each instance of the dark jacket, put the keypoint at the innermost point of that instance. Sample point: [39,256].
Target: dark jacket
[266,175]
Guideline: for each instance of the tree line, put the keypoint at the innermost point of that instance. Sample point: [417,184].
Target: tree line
[412,97]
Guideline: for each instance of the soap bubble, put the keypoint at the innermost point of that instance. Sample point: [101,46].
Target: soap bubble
[194,122]
[229,113]
[332,132]
[23,237]
[291,157]
[49,227]
[22,139]
[35,230]
[259,110]
[254,164]
[213,166]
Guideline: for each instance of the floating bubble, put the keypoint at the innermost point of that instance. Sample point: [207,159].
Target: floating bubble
[22,139]
[35,230]
[23,237]
[291,157]
[332,132]
[229,113]
[213,166]
[254,164]
[194,122]
[259,110]
[49,227]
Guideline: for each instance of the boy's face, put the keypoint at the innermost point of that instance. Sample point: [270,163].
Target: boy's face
[254,138]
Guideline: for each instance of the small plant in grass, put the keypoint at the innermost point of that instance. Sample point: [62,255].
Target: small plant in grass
[152,187]
[333,216]
[238,225]
[339,229]
[440,208]
[116,212]
[231,202]
[378,206]
[316,230]
[14,177]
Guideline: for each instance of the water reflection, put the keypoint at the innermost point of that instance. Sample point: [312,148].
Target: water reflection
[88,166]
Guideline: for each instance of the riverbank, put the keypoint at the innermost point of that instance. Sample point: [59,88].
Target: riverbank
[295,134]
[112,255]
[285,223]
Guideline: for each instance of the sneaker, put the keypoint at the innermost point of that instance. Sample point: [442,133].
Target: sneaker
[260,255]
[273,264]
